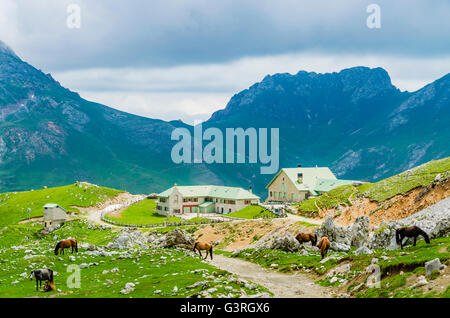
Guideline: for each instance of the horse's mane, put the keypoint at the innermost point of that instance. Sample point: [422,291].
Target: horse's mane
[397,236]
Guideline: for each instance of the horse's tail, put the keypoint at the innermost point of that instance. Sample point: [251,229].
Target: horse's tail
[425,235]
[76,246]
[195,245]
[57,247]
[211,251]
[397,236]
[51,275]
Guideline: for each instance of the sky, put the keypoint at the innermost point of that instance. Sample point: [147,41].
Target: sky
[185,59]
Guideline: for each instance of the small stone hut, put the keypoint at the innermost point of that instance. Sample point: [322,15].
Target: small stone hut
[53,215]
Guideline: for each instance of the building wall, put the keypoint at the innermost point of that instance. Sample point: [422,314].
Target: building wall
[54,214]
[219,205]
[289,192]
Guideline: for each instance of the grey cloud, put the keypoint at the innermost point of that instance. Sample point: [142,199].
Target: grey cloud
[167,33]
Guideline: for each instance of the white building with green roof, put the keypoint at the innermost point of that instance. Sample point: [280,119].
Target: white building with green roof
[299,184]
[204,199]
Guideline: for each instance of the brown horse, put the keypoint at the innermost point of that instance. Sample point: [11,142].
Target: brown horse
[411,231]
[49,286]
[305,237]
[324,245]
[66,244]
[204,246]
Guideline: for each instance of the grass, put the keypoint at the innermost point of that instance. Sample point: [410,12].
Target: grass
[14,205]
[144,213]
[380,191]
[155,272]
[251,212]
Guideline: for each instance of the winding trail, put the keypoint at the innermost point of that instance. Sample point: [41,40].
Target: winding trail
[282,285]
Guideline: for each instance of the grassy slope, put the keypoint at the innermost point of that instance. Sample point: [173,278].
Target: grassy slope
[410,260]
[250,212]
[144,212]
[14,205]
[149,269]
[380,191]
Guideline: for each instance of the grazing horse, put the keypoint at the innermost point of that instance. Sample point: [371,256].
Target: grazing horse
[411,231]
[40,275]
[305,237]
[204,246]
[49,286]
[324,245]
[66,244]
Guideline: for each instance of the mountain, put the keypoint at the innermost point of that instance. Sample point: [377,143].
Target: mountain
[354,121]
[50,136]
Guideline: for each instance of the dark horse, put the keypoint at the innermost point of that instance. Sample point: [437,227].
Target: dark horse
[42,275]
[410,231]
[204,246]
[324,245]
[304,237]
[66,244]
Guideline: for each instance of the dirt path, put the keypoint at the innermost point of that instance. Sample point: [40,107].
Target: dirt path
[123,199]
[282,285]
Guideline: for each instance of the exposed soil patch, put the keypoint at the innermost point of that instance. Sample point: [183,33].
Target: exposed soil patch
[396,208]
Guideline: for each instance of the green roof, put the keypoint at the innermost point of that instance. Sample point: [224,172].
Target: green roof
[233,193]
[52,205]
[315,179]
[205,204]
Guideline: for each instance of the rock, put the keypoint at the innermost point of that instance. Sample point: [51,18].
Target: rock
[175,238]
[84,265]
[72,258]
[333,280]
[129,287]
[434,265]
[339,247]
[287,243]
[356,234]
[363,250]
[128,239]
[421,281]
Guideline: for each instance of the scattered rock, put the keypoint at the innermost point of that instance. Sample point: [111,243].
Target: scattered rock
[433,265]
[287,243]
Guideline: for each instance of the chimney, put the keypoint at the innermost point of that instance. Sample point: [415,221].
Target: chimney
[300,177]
[250,189]
[299,166]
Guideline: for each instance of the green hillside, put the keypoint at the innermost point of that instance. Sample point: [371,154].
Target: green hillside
[402,183]
[14,205]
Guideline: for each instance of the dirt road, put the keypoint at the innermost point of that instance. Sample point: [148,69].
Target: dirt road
[282,285]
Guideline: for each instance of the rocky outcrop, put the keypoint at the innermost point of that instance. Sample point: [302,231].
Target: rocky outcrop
[342,238]
[128,239]
[286,243]
[176,238]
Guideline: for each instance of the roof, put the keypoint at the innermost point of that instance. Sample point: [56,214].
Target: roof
[315,179]
[205,204]
[52,205]
[325,185]
[222,192]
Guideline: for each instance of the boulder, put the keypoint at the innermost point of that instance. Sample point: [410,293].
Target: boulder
[363,250]
[175,238]
[287,243]
[356,234]
[339,247]
[434,265]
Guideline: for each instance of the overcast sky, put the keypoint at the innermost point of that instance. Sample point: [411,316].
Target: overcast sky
[185,59]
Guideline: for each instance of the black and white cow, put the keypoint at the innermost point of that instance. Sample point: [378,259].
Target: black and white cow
[42,275]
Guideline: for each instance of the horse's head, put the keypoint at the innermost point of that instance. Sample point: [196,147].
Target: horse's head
[32,275]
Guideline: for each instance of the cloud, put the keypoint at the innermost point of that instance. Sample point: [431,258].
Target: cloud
[118,33]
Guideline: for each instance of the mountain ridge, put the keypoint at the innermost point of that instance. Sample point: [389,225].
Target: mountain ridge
[49,135]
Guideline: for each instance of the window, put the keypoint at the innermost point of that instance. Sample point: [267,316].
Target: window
[270,194]
[162,200]
[247,202]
